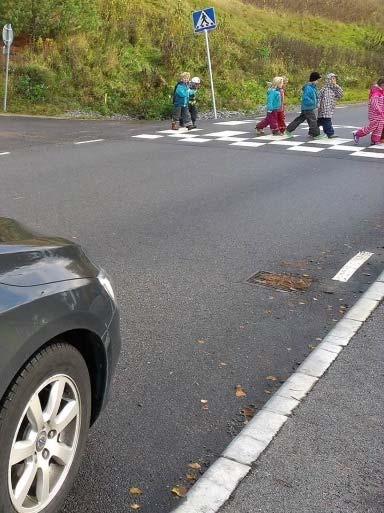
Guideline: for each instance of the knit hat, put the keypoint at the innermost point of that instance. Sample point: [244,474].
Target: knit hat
[331,75]
[314,76]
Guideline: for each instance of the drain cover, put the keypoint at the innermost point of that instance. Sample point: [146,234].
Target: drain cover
[286,282]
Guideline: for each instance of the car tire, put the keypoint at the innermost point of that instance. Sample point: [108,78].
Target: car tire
[44,423]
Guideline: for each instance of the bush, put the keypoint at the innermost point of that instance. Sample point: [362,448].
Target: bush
[32,83]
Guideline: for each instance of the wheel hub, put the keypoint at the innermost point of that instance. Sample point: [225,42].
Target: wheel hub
[41,441]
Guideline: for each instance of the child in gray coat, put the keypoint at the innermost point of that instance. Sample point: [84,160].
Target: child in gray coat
[328,97]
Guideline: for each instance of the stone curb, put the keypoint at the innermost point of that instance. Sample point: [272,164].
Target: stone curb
[218,483]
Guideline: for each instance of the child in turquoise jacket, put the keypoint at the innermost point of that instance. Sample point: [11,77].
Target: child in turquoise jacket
[274,103]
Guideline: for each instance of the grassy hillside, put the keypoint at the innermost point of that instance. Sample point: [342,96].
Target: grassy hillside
[123,56]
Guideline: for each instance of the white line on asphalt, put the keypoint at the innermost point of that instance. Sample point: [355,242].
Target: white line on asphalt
[91,141]
[341,147]
[5,153]
[249,144]
[287,143]
[194,140]
[310,149]
[218,483]
[368,154]
[352,266]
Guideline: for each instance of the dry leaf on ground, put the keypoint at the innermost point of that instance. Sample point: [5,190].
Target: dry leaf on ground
[135,507]
[248,412]
[179,491]
[135,491]
[195,466]
[240,392]
[191,477]
[271,378]
[201,341]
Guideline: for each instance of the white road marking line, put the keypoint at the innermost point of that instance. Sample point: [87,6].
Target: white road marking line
[194,139]
[341,147]
[287,143]
[225,133]
[5,153]
[249,144]
[368,154]
[309,149]
[273,137]
[90,141]
[147,136]
[218,483]
[234,123]
[352,266]
[346,126]
[232,139]
[179,131]
[184,134]
[332,142]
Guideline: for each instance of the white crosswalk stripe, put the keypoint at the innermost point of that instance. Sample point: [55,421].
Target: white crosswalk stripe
[246,139]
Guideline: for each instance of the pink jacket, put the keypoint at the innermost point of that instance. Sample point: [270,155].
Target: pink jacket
[376,104]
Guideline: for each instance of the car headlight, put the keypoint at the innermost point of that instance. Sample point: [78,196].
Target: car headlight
[105,282]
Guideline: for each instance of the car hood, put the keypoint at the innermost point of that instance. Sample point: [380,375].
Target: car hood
[28,259]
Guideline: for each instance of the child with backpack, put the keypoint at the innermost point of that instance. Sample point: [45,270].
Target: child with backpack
[274,103]
[194,87]
[375,115]
[180,102]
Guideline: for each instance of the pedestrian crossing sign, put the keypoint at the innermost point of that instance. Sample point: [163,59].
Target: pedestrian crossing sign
[204,20]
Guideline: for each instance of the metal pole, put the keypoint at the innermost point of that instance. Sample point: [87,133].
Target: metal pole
[210,73]
[6,77]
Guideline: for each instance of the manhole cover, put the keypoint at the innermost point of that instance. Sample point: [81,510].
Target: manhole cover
[286,282]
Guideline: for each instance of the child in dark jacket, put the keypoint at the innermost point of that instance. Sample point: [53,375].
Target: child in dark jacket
[180,102]
[274,103]
[309,104]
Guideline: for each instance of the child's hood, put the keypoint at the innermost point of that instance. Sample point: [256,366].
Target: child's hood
[376,91]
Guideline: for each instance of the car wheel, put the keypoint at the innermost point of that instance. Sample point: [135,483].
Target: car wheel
[44,423]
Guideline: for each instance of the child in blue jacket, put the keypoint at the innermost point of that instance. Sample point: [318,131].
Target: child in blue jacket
[180,102]
[274,104]
[309,104]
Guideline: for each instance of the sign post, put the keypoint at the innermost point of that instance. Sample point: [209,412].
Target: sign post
[205,21]
[8,40]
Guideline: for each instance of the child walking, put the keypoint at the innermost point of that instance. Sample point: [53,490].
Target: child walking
[274,102]
[375,115]
[309,104]
[194,87]
[180,102]
[281,113]
[328,97]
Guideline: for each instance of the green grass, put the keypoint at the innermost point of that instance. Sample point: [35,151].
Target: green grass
[124,56]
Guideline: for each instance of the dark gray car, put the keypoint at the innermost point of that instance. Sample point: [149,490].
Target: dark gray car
[59,343]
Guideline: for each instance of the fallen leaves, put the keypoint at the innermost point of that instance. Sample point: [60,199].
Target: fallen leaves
[135,506]
[240,392]
[248,412]
[179,491]
[204,403]
[201,341]
[136,492]
[194,466]
[272,378]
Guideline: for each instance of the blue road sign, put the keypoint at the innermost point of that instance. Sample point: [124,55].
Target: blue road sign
[204,20]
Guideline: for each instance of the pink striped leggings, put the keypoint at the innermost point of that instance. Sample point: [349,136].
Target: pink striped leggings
[375,128]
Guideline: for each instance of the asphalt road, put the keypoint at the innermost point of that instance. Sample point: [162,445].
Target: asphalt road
[180,227]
